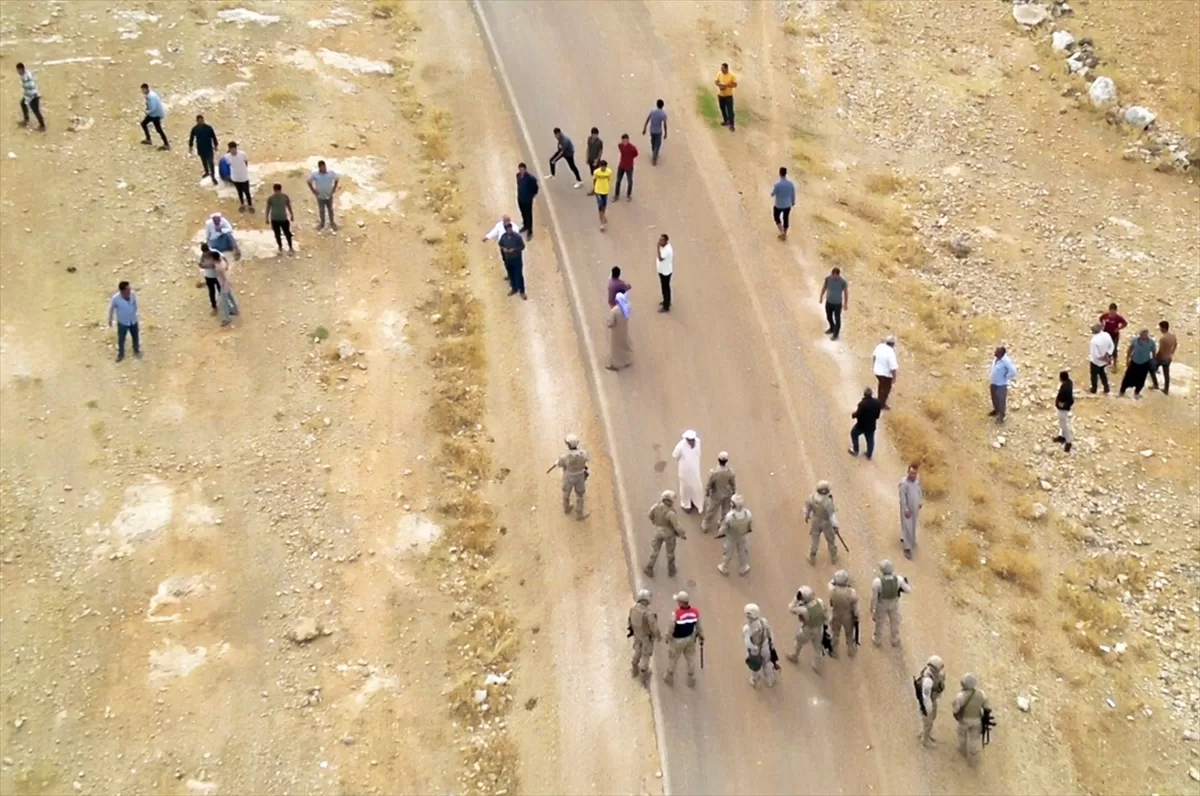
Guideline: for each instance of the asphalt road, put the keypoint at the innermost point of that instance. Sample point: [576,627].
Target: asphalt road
[717,364]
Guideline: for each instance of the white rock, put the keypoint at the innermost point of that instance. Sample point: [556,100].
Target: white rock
[1102,91]
[481,696]
[1060,40]
[1139,117]
[1146,454]
[346,350]
[305,630]
[1023,704]
[1039,511]
[1194,773]
[1030,14]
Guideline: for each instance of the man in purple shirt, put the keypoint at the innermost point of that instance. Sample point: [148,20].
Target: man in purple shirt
[616,285]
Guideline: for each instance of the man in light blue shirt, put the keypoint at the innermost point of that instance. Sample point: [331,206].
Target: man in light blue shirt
[1004,372]
[784,193]
[124,307]
[154,115]
[324,184]
[31,99]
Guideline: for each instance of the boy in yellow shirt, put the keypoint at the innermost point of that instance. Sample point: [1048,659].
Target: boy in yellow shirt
[726,82]
[601,185]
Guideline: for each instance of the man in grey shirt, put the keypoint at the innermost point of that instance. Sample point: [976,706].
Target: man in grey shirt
[835,293]
[656,123]
[784,193]
[324,184]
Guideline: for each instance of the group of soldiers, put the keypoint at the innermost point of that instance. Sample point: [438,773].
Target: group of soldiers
[820,628]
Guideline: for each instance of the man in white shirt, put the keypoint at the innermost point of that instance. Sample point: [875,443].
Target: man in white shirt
[1100,356]
[666,267]
[884,365]
[239,174]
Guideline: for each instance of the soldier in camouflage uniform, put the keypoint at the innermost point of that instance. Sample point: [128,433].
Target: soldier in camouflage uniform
[721,486]
[574,464]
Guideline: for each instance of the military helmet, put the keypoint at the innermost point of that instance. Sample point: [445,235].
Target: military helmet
[805,594]
[752,611]
[823,487]
[643,595]
[667,496]
[572,441]
[722,457]
[737,501]
[886,567]
[682,598]
[935,662]
[969,681]
[841,578]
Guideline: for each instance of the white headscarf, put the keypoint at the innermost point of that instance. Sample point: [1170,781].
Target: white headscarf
[623,303]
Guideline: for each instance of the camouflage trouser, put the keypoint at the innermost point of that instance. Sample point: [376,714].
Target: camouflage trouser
[927,721]
[642,652]
[576,482]
[889,611]
[830,539]
[767,672]
[839,626]
[813,637]
[656,545]
[970,738]
[739,546]
[685,647]
[714,511]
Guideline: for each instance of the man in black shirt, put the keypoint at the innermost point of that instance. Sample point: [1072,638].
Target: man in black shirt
[527,189]
[204,138]
[1063,403]
[865,418]
[511,246]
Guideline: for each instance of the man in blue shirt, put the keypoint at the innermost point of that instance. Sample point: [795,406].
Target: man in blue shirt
[784,193]
[124,307]
[154,115]
[527,190]
[1138,361]
[1004,372]
[31,99]
[511,246]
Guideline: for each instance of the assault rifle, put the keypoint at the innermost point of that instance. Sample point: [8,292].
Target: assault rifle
[702,654]
[857,643]
[987,721]
[826,641]
[920,693]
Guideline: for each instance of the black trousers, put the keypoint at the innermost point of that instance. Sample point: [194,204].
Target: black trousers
[781,216]
[833,314]
[628,191]
[664,283]
[214,287]
[1165,364]
[208,163]
[243,192]
[570,159]
[1099,373]
[157,122]
[1135,377]
[34,105]
[526,208]
[726,105]
[282,229]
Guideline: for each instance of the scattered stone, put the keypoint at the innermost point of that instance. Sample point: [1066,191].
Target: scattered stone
[1139,117]
[1030,14]
[1023,704]
[1061,41]
[1194,773]
[1039,511]
[304,630]
[1102,91]
[531,703]
[346,350]
[1146,454]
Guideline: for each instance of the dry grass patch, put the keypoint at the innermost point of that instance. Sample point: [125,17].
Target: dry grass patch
[884,183]
[983,522]
[387,9]
[978,492]
[1024,505]
[809,156]
[719,38]
[963,551]
[918,441]
[1017,567]
[843,248]
[280,97]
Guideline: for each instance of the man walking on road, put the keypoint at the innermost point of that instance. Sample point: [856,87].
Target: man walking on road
[1063,403]
[154,115]
[643,629]
[601,186]
[759,641]
[239,174]
[969,707]
[1167,343]
[656,123]
[511,247]
[665,265]
[884,366]
[931,682]
[843,607]
[31,99]
[685,634]
[691,489]
[616,285]
[324,184]
[911,500]
[835,293]
[527,191]
[809,609]
[280,215]
[565,152]
[574,464]
[124,307]
[784,194]
[1100,355]
[1112,322]
[625,167]
[204,138]
[666,532]
[726,82]
[1003,373]
[866,416]
[820,506]
[718,493]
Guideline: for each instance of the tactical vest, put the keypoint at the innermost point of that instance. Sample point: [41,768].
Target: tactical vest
[889,587]
[815,617]
[738,522]
[758,634]
[638,616]
[659,514]
[722,482]
[971,709]
[841,600]
[938,678]
[576,462]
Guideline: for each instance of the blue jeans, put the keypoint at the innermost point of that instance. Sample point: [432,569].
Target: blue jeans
[516,274]
[869,433]
[132,331]
[655,146]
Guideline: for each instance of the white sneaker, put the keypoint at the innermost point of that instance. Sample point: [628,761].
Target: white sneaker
[722,569]
[578,185]
[547,176]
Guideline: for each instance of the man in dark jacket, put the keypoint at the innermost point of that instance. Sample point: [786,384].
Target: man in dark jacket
[511,246]
[1063,403]
[527,189]
[204,138]
[865,418]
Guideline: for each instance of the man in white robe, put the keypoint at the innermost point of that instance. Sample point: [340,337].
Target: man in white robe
[691,486]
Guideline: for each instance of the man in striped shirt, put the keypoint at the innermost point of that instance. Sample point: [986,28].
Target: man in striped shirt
[31,100]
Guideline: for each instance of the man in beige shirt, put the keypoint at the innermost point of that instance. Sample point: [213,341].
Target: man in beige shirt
[1167,343]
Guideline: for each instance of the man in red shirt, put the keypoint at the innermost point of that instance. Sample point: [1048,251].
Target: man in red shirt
[625,167]
[1113,323]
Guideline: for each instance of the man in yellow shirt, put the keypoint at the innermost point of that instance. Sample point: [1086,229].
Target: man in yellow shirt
[726,82]
[601,185]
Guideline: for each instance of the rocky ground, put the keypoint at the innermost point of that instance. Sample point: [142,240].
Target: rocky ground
[956,169]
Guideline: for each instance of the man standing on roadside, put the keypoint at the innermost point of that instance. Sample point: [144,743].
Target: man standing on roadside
[1113,323]
[1138,360]
[279,213]
[239,175]
[1063,403]
[666,267]
[31,100]
[784,193]
[1167,343]
[1100,356]
[625,167]
[154,115]
[726,82]
[595,149]
[835,293]
[511,247]
[601,186]
[124,307]
[866,416]
[884,366]
[204,138]
[566,152]
[656,123]
[324,184]
[1003,373]
[911,500]
[527,191]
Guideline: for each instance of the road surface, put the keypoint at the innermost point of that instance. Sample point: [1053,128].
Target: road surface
[727,362]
